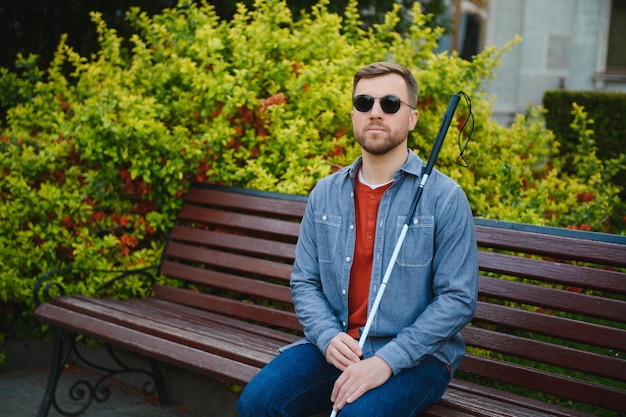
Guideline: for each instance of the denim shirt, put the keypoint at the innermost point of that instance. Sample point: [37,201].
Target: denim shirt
[432,290]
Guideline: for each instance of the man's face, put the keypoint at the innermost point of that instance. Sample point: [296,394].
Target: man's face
[376,131]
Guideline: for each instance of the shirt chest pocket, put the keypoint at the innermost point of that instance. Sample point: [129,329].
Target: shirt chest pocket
[418,247]
[327,235]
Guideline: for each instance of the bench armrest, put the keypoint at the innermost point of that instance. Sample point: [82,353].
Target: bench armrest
[47,282]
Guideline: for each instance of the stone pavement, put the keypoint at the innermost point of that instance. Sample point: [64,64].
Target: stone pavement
[24,375]
[21,392]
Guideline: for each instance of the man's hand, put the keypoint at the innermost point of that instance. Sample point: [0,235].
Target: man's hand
[359,378]
[343,351]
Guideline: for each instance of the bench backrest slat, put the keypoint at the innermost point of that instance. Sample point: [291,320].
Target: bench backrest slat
[553,299]
[239,220]
[558,273]
[229,261]
[604,253]
[550,325]
[248,200]
[535,350]
[225,281]
[246,244]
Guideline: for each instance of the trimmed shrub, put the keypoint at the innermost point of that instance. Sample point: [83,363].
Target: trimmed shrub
[606,114]
[607,109]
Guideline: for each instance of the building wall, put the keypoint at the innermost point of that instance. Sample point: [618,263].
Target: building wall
[564,46]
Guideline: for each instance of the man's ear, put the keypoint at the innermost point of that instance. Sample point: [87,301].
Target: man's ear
[415,115]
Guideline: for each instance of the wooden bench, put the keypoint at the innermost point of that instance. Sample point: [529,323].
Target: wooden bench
[551,318]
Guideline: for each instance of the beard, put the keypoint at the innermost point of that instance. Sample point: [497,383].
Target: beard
[380,142]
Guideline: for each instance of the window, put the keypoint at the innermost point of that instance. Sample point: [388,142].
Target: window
[616,53]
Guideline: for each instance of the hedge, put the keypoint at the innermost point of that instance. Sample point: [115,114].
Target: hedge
[607,117]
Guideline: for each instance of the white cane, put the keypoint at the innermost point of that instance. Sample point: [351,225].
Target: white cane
[441,135]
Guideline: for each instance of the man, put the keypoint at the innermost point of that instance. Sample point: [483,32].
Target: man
[348,233]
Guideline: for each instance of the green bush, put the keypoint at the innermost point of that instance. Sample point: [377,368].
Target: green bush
[96,151]
[606,112]
[607,109]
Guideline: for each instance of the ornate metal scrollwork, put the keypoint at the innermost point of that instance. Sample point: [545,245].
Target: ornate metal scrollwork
[82,393]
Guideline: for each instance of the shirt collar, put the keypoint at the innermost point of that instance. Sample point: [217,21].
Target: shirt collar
[413,166]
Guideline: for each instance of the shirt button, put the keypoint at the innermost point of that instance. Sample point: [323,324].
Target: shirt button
[343,292]
[344,324]
[324,217]
[415,221]
[347,259]
[351,226]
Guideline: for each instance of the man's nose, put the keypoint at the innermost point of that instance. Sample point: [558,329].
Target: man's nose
[377,110]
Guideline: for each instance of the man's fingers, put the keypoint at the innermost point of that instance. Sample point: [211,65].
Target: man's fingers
[343,351]
[347,349]
[343,357]
[357,379]
[339,390]
[347,390]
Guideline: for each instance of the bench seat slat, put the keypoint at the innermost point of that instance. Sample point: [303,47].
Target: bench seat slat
[460,393]
[263,338]
[563,386]
[227,281]
[185,318]
[232,323]
[478,406]
[444,409]
[193,336]
[165,350]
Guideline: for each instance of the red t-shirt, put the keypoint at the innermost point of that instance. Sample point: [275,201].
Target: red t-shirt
[366,212]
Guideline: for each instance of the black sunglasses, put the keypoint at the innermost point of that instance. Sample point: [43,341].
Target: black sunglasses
[389,104]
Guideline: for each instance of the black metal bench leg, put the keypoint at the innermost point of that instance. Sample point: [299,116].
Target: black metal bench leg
[83,393]
[159,381]
[59,359]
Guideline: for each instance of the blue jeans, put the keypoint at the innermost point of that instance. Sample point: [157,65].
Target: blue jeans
[299,381]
